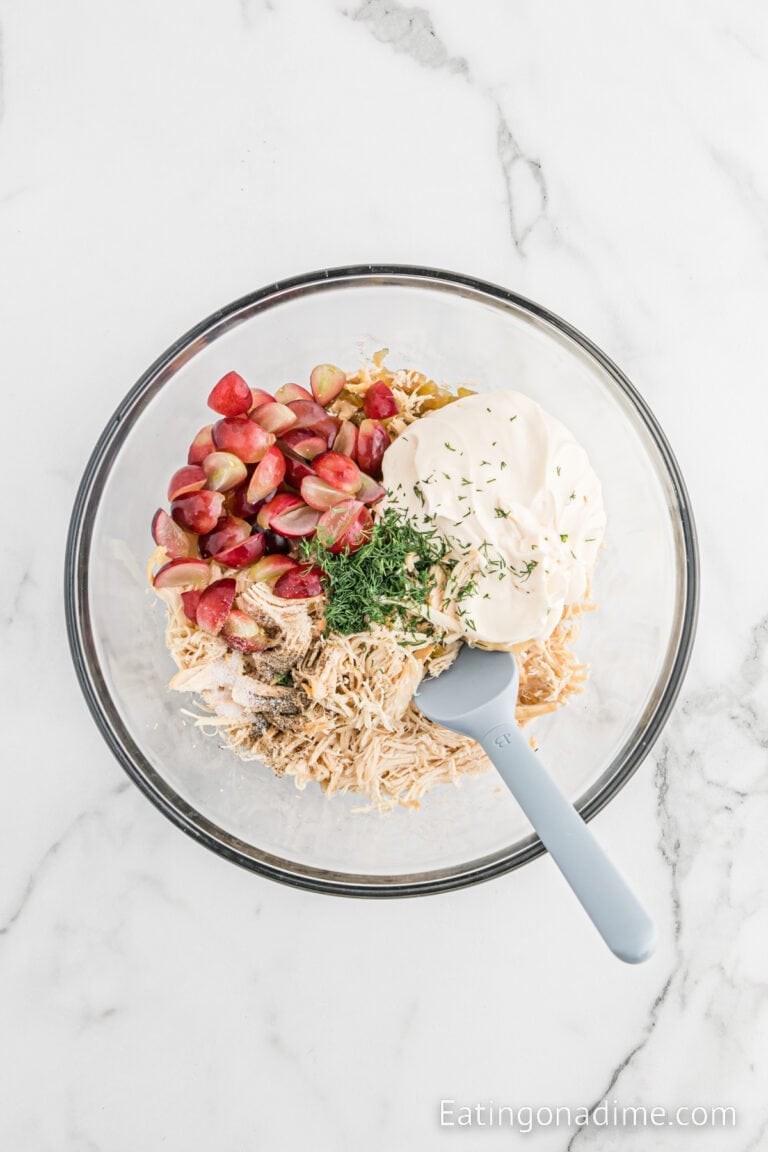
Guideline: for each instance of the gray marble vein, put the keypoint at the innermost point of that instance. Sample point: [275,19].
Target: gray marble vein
[742,179]
[411,31]
[524,182]
[759,1140]
[682,815]
[23,584]
[583,1130]
[43,865]
[408,30]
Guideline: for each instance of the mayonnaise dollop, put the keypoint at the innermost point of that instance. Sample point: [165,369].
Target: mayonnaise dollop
[513,492]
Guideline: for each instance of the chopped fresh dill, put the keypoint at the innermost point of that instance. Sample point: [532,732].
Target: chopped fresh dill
[469,589]
[390,576]
[524,573]
[558,469]
[466,618]
[502,513]
[285,679]
[563,537]
[450,447]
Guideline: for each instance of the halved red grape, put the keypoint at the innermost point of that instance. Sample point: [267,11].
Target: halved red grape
[320,494]
[346,439]
[182,573]
[167,533]
[231,396]
[274,417]
[295,522]
[282,502]
[345,526]
[215,603]
[243,437]
[258,398]
[201,446]
[288,392]
[370,492]
[189,602]
[372,443]
[242,633]
[295,471]
[267,474]
[190,478]
[326,381]
[270,568]
[294,437]
[300,583]
[304,443]
[224,471]
[198,511]
[328,428]
[358,533]
[238,504]
[229,531]
[243,554]
[379,402]
[307,413]
[339,470]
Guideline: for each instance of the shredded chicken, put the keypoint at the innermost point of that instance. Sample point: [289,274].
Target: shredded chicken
[348,721]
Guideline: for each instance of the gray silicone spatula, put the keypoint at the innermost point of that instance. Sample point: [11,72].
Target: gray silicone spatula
[477,696]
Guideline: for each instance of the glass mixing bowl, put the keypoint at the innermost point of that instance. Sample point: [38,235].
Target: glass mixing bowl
[457,330]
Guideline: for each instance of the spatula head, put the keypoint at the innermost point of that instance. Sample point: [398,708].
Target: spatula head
[478,686]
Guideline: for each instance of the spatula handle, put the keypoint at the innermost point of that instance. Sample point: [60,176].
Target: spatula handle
[608,900]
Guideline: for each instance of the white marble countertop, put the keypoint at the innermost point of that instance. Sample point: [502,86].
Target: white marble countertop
[158,160]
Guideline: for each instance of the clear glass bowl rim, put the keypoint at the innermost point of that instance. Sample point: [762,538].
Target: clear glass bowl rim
[107,717]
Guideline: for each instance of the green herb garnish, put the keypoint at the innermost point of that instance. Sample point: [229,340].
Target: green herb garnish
[390,577]
[524,573]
